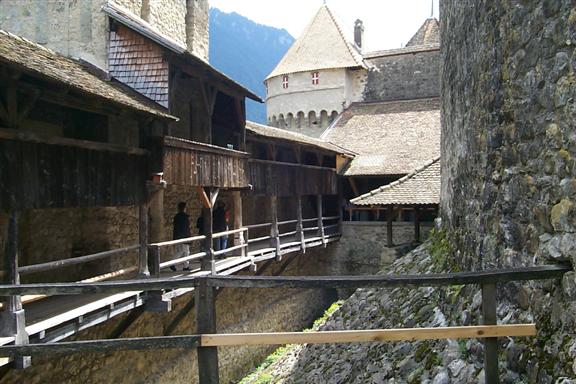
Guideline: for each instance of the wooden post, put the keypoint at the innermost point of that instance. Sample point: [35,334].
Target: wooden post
[389,225]
[208,263]
[206,324]
[143,270]
[320,220]
[490,344]
[155,302]
[274,231]
[238,237]
[12,319]
[417,224]
[300,225]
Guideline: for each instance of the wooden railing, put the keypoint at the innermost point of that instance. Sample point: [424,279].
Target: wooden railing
[198,164]
[208,342]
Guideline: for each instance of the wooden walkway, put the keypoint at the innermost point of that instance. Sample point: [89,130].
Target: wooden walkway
[55,318]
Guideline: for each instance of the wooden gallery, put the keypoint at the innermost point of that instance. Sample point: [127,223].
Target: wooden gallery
[94,164]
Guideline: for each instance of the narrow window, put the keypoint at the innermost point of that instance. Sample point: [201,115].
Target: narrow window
[315,78]
[285,81]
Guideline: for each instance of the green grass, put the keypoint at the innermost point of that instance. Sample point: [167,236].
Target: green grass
[260,376]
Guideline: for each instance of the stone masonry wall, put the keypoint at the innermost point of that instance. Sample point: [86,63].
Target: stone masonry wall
[238,310]
[363,249]
[73,28]
[508,161]
[406,76]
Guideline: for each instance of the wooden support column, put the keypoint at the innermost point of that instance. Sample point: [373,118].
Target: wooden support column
[206,324]
[417,224]
[490,344]
[237,207]
[300,224]
[155,301]
[389,226]
[12,319]
[143,270]
[209,200]
[274,231]
[320,220]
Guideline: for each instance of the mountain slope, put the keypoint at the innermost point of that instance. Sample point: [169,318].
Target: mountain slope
[247,52]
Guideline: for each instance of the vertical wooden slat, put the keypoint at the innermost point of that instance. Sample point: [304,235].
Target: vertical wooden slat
[274,231]
[238,237]
[143,240]
[489,317]
[12,319]
[208,263]
[300,224]
[320,220]
[389,226]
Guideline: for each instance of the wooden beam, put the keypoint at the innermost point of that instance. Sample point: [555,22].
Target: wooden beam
[11,95]
[237,208]
[105,346]
[542,272]
[274,230]
[489,318]
[143,240]
[204,199]
[206,323]
[354,186]
[27,105]
[320,221]
[213,196]
[208,263]
[390,226]
[362,336]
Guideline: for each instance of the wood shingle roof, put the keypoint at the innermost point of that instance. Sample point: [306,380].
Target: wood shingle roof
[421,187]
[390,138]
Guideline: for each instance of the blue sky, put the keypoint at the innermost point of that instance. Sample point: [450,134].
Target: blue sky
[387,23]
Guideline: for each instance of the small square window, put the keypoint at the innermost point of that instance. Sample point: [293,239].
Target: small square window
[315,78]
[285,81]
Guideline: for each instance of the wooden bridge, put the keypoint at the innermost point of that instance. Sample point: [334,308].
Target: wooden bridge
[50,319]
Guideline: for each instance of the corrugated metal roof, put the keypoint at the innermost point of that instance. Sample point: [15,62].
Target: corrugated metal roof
[322,45]
[421,187]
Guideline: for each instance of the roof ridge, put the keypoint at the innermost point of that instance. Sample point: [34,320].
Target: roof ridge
[339,28]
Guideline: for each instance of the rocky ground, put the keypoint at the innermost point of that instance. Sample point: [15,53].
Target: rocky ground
[545,359]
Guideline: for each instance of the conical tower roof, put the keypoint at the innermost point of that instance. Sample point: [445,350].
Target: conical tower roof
[322,45]
[428,34]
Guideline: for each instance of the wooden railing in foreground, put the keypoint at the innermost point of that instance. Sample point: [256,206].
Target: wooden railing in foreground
[207,342]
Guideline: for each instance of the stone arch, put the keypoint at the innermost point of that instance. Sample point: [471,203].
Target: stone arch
[300,120]
[274,121]
[281,121]
[312,122]
[323,118]
[290,120]
[333,116]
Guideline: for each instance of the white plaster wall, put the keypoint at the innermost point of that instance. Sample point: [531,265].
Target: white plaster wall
[73,28]
[302,95]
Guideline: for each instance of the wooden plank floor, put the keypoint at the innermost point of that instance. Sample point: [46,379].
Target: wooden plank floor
[58,317]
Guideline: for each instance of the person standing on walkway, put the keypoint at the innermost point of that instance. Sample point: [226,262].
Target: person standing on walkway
[181,231]
[219,222]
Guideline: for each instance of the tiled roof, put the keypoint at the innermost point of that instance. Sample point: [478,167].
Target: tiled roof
[284,135]
[427,34]
[322,45]
[402,51]
[420,187]
[41,62]
[390,138]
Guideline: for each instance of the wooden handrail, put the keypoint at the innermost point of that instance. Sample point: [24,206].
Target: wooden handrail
[195,256]
[254,226]
[179,241]
[74,260]
[230,249]
[287,222]
[542,272]
[228,233]
[331,218]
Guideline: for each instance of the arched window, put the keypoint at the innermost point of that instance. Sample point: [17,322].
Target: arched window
[323,119]
[274,121]
[300,120]
[312,119]
[281,121]
[290,120]
[333,116]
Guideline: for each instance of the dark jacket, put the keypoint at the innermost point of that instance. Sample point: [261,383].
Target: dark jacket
[181,226]
[219,220]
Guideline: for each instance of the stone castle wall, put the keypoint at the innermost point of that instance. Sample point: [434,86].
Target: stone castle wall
[508,161]
[72,28]
[403,76]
